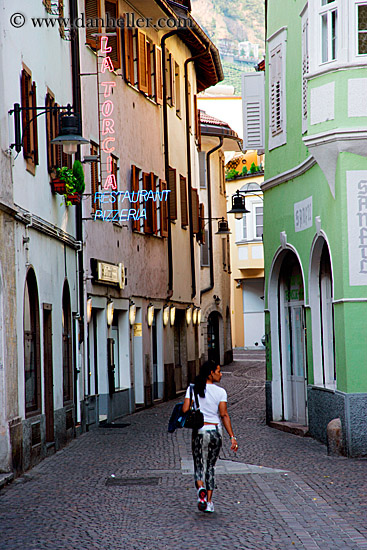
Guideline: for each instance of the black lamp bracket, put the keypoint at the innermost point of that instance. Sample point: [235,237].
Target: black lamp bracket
[18,144]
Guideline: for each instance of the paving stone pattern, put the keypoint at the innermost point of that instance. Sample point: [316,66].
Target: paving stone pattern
[131,488]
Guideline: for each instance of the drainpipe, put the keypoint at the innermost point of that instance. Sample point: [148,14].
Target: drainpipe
[166,158]
[210,244]
[75,68]
[188,152]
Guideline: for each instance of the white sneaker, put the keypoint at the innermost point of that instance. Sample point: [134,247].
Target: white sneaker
[209,507]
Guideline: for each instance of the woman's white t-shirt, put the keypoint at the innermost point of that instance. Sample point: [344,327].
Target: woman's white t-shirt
[210,403]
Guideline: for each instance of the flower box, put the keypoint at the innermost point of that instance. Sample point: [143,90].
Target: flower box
[74,198]
[58,186]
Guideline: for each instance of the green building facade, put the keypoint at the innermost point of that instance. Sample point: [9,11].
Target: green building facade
[315,216]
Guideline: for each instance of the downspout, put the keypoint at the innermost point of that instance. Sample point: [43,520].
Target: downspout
[210,244]
[189,179]
[166,160]
[75,68]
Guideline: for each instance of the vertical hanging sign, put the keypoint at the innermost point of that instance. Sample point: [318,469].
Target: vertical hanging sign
[106,120]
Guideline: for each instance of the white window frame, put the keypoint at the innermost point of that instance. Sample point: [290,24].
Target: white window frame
[355,29]
[278,41]
[327,10]
[257,205]
[245,226]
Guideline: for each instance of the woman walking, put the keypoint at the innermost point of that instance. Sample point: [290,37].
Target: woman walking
[207,441]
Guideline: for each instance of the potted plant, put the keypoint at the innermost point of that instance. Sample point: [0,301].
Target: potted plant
[75,186]
[58,184]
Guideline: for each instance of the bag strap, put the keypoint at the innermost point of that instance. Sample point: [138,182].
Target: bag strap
[192,391]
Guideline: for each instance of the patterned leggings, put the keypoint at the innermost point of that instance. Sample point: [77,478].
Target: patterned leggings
[205,451]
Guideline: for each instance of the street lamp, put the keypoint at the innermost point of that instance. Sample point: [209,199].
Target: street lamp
[132,313]
[109,312]
[150,314]
[238,205]
[166,314]
[69,136]
[223,229]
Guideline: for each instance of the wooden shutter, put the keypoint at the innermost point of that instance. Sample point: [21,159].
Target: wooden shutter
[135,188]
[183,196]
[170,77]
[164,211]
[129,55]
[195,211]
[92,10]
[204,251]
[26,134]
[158,75]
[49,133]
[173,194]
[154,204]
[253,94]
[197,123]
[61,15]
[148,205]
[94,184]
[149,69]
[142,62]
[201,234]
[111,8]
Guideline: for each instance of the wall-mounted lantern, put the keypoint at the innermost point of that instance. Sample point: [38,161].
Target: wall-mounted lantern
[172,315]
[132,313]
[109,312]
[89,309]
[150,314]
[188,315]
[166,312]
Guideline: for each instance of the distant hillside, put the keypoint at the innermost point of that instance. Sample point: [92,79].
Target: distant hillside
[234,21]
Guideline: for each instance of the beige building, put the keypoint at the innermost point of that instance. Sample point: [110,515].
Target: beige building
[215,265]
[247,277]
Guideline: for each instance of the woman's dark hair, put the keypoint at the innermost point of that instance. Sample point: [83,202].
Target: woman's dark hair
[200,381]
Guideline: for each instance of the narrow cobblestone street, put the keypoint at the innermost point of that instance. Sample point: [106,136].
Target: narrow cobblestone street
[131,488]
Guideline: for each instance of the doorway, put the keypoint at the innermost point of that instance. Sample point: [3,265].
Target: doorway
[48,365]
[292,340]
[213,338]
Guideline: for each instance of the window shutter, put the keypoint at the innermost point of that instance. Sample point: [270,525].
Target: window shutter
[158,75]
[197,123]
[92,10]
[135,188]
[49,136]
[111,9]
[172,195]
[204,251]
[195,211]
[276,91]
[253,94]
[96,204]
[149,69]
[305,70]
[202,223]
[170,75]
[142,62]
[183,196]
[34,126]
[129,55]
[164,211]
[25,81]
[148,222]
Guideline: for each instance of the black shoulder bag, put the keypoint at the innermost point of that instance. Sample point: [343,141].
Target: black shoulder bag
[195,418]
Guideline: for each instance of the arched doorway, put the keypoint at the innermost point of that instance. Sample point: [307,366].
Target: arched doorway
[213,338]
[67,350]
[292,339]
[321,302]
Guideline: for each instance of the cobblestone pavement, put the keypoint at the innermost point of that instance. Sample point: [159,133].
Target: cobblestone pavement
[131,488]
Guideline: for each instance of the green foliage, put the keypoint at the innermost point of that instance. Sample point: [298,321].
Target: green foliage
[244,171]
[78,174]
[254,168]
[231,174]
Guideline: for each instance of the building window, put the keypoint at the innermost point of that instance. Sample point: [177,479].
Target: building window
[326,320]
[29,120]
[258,222]
[172,195]
[67,371]
[150,223]
[32,366]
[204,251]
[362,28]
[244,227]
[56,158]
[111,11]
[170,75]
[202,169]
[329,30]
[277,95]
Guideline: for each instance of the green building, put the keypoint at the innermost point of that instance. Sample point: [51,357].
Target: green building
[315,216]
